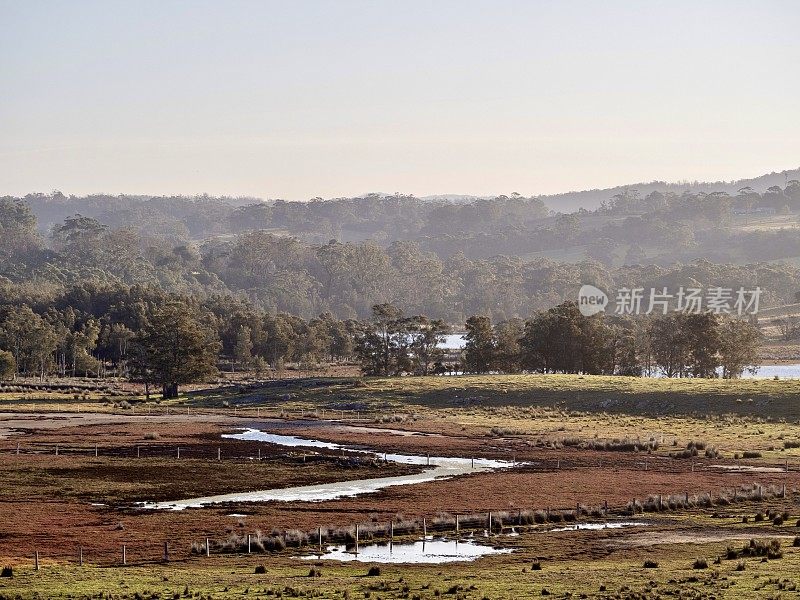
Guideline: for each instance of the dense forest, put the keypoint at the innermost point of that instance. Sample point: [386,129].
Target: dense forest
[500,257]
[166,291]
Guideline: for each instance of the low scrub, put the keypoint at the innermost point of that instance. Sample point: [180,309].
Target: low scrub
[770,549]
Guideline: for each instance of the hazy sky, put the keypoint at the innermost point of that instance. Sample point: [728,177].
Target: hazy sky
[301,98]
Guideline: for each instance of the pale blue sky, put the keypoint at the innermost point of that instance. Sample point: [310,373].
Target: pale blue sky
[297,99]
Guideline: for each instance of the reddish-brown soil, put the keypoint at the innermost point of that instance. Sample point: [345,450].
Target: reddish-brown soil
[58,523]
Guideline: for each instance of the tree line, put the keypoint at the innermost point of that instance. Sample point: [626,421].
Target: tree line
[168,340]
[281,274]
[562,340]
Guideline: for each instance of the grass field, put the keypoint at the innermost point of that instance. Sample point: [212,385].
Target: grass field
[575,440]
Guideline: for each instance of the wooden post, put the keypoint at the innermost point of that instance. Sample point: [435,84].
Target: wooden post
[259,454]
[138,448]
[473,462]
[577,510]
[457,525]
[429,459]
[36,561]
[96,453]
[605,507]
[558,464]
[320,540]
[490,524]
[633,502]
[17,448]
[391,530]
[787,465]
[248,543]
[645,465]
[660,502]
[356,539]
[258,412]
[80,556]
[686,498]
[208,547]
[124,555]
[56,449]
[219,453]
[179,451]
[166,551]
[783,491]
[424,528]
[519,516]
[692,466]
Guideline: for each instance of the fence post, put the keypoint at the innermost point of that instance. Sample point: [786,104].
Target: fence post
[259,454]
[457,525]
[320,540]
[219,453]
[429,459]
[519,517]
[558,464]
[605,508]
[179,451]
[783,491]
[80,556]
[248,543]
[208,547]
[356,539]
[166,551]
[490,524]
[96,452]
[56,449]
[138,448]
[391,530]
[473,462]
[577,510]
[424,528]
[36,561]
[124,555]
[17,448]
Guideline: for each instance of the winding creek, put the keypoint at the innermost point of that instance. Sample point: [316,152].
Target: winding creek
[440,468]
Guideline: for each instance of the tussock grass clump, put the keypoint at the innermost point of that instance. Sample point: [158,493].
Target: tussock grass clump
[7,572]
[769,549]
[152,435]
[536,566]
[796,542]
[751,454]
[260,570]
[700,563]
[315,572]
[789,444]
[650,564]
[374,571]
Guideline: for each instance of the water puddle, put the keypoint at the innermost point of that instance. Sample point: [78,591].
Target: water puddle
[596,526]
[440,468]
[431,551]
[747,469]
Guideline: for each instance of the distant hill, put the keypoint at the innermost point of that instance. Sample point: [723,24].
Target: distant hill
[591,199]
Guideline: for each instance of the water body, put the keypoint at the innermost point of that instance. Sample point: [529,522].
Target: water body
[597,526]
[440,468]
[431,551]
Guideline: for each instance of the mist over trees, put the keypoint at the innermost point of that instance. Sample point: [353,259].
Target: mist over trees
[168,291]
